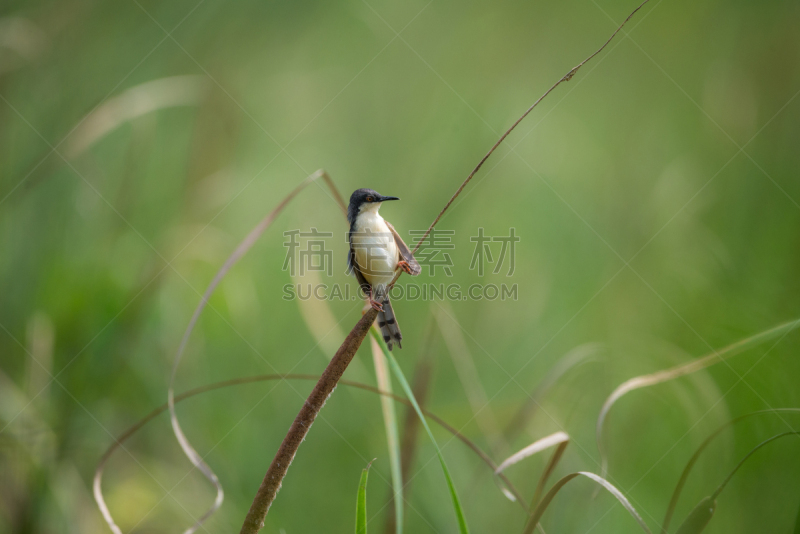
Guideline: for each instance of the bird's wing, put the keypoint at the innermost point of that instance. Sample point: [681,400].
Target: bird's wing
[352,266]
[405,252]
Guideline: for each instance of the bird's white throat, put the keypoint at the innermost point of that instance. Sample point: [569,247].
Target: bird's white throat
[369,221]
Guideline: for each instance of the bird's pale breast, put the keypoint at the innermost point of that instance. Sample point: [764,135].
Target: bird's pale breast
[376,253]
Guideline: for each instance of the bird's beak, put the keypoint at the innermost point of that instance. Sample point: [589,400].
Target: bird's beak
[384,199]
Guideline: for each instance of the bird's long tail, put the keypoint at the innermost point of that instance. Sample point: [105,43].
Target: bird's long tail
[387,322]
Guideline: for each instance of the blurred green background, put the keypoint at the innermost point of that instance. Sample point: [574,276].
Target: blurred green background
[656,198]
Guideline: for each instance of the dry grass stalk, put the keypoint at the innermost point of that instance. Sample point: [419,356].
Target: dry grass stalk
[392,439]
[254,520]
[420,384]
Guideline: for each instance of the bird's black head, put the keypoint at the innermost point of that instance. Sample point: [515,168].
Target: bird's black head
[360,197]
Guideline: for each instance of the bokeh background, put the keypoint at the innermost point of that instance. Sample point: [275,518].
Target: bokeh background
[656,196]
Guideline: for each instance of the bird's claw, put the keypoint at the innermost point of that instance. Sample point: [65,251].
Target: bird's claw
[375,305]
[403,264]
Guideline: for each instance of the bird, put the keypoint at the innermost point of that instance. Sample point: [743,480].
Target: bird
[376,252]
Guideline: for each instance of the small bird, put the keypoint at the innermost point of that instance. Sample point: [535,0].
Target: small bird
[376,252]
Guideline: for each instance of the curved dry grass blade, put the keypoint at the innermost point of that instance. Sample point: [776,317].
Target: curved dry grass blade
[98,476]
[392,438]
[97,489]
[462,522]
[686,470]
[186,90]
[537,446]
[681,370]
[241,250]
[568,361]
[536,516]
[361,501]
[700,516]
[551,465]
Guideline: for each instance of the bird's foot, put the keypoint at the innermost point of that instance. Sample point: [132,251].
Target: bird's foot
[403,264]
[375,304]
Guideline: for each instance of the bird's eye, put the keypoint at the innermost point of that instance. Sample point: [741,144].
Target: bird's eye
[370,199]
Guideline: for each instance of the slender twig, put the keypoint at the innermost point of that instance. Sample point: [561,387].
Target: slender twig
[551,465]
[254,520]
[280,464]
[567,77]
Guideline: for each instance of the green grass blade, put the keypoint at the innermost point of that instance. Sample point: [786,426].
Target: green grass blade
[392,439]
[698,518]
[797,523]
[747,457]
[673,503]
[462,523]
[361,502]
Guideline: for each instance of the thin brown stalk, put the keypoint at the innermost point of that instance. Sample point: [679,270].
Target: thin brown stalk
[551,465]
[254,520]
[567,77]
